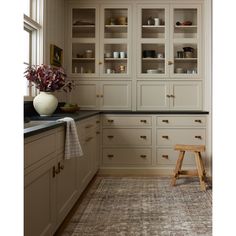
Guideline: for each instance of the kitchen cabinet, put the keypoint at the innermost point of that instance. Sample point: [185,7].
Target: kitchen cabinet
[53,184]
[127,141]
[87,165]
[99,38]
[163,95]
[171,130]
[169,40]
[103,95]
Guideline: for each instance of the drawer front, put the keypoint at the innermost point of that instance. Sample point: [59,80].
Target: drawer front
[137,157]
[39,149]
[88,126]
[192,121]
[127,137]
[109,120]
[170,137]
[167,156]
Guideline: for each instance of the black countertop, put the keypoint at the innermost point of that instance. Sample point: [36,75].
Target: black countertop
[80,115]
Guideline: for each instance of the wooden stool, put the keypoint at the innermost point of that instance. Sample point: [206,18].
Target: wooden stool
[200,172]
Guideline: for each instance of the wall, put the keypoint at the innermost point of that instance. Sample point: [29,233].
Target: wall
[54,33]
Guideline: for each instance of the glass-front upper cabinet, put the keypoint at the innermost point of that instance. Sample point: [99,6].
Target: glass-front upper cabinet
[115,38]
[84,38]
[185,41]
[153,32]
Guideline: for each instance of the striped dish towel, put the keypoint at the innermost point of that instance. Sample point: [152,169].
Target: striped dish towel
[72,144]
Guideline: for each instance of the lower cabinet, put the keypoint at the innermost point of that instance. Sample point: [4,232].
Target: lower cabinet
[157,95]
[105,95]
[52,184]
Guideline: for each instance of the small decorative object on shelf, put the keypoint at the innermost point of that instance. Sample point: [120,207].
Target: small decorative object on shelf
[47,79]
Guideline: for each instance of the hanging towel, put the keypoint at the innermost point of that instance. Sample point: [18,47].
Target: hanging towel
[72,144]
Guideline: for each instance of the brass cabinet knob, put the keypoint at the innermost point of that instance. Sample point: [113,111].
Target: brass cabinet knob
[60,167]
[99,63]
[168,96]
[170,63]
[143,136]
[110,121]
[101,95]
[143,156]
[97,95]
[198,121]
[110,136]
[165,156]
[172,96]
[165,121]
[143,121]
[198,137]
[55,171]
[165,136]
[97,121]
[97,132]
[110,155]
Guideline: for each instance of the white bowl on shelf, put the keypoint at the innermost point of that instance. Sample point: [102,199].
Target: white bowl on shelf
[152,71]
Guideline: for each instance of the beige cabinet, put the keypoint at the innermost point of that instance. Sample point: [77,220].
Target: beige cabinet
[105,95]
[161,95]
[87,165]
[176,129]
[126,141]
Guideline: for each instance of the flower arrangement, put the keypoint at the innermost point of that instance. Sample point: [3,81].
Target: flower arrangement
[47,78]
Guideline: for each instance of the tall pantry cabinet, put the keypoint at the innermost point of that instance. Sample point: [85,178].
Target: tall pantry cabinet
[136,55]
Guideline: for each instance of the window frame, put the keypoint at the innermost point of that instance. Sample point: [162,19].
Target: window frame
[34,25]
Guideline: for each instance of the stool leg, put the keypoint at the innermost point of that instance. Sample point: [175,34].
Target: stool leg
[178,167]
[201,171]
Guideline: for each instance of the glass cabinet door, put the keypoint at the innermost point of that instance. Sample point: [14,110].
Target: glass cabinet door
[115,40]
[152,40]
[84,38]
[185,41]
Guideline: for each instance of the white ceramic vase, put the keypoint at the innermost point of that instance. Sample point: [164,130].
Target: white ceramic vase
[45,103]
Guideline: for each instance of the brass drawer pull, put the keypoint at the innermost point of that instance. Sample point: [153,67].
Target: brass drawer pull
[110,121]
[110,155]
[54,171]
[165,121]
[97,132]
[143,136]
[198,137]
[168,96]
[170,63]
[88,126]
[143,121]
[97,121]
[172,96]
[88,139]
[165,136]
[198,121]
[143,156]
[110,136]
[165,156]
[60,167]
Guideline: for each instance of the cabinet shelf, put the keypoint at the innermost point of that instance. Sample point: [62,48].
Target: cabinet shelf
[186,59]
[185,26]
[83,59]
[153,59]
[115,59]
[153,26]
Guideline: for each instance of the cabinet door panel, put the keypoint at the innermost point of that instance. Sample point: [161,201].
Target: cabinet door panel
[85,94]
[39,201]
[66,188]
[116,96]
[187,96]
[152,96]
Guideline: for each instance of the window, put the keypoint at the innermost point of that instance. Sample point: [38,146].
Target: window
[33,40]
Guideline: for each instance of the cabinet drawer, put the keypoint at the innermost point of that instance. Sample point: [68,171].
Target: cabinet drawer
[170,137]
[38,148]
[169,156]
[127,137]
[110,120]
[192,121]
[88,126]
[135,157]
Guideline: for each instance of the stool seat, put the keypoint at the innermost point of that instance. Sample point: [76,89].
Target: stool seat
[193,148]
[200,171]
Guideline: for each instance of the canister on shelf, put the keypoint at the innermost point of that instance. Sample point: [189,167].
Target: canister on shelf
[88,53]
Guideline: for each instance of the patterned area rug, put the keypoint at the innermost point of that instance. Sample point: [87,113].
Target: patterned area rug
[137,206]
